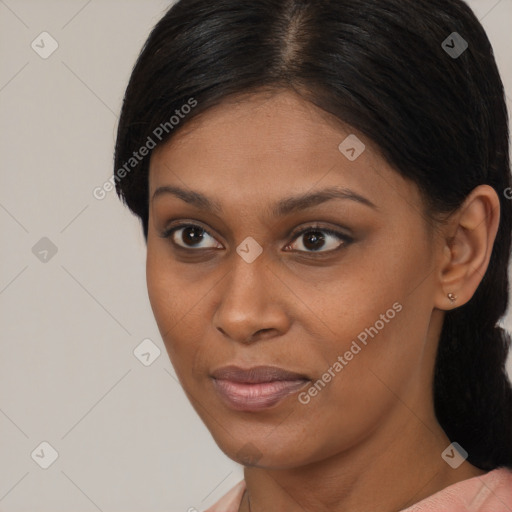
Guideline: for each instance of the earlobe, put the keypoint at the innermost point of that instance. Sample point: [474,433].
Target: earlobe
[452,298]
[469,239]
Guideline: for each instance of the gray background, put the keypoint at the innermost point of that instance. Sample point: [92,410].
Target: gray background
[127,438]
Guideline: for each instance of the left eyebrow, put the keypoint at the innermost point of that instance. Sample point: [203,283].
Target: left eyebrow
[308,200]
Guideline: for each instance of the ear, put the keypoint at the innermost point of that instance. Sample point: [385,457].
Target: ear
[468,239]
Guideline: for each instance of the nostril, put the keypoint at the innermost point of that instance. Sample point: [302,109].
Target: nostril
[262,334]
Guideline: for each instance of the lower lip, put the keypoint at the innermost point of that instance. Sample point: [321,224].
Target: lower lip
[256,397]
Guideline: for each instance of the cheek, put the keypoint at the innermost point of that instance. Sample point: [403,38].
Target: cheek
[173,303]
[354,394]
[169,294]
[160,289]
[181,304]
[373,312]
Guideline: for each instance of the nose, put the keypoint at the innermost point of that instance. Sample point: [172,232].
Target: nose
[251,302]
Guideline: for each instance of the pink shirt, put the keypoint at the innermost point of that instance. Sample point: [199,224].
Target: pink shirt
[491,492]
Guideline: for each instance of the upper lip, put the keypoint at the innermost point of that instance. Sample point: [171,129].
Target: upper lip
[256,374]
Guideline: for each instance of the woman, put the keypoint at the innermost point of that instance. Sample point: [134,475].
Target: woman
[322,189]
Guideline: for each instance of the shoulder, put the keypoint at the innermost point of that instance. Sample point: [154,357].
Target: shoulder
[230,502]
[491,492]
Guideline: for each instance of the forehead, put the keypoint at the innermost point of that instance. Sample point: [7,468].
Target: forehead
[260,123]
[265,143]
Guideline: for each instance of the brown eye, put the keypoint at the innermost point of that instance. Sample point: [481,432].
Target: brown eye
[315,239]
[191,236]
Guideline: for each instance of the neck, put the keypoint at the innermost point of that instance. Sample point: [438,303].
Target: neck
[385,473]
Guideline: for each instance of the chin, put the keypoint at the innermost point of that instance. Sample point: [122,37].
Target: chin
[264,450]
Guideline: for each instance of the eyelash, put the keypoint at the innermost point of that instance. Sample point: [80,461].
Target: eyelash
[345,239]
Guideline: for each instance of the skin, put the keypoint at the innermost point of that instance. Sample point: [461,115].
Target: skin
[369,440]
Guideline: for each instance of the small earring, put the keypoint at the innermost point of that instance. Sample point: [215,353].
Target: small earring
[452,297]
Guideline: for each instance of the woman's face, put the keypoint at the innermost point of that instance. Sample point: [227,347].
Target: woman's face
[306,256]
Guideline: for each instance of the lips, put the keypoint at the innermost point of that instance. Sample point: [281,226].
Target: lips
[257,374]
[256,388]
